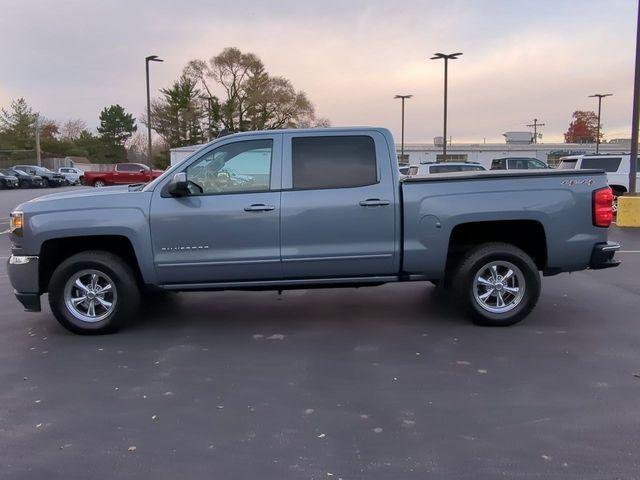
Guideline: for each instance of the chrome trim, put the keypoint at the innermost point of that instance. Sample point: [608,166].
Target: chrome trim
[222,263]
[340,257]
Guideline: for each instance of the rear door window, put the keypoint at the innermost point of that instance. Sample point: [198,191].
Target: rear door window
[608,164]
[333,162]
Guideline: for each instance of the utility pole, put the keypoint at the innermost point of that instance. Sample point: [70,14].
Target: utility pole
[150,58]
[38,154]
[535,126]
[599,96]
[446,58]
[636,113]
[403,98]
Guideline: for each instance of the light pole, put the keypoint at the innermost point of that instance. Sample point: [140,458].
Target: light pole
[150,58]
[636,114]
[446,58]
[599,96]
[403,98]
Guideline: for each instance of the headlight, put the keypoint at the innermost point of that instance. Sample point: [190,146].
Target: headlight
[16,222]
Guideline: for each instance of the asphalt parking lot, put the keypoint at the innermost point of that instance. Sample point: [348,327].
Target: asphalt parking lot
[384,382]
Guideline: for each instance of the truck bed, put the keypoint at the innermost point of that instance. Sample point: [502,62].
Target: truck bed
[558,201]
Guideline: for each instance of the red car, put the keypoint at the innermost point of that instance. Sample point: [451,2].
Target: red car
[121,174]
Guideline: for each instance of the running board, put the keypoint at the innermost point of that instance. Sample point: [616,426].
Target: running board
[282,284]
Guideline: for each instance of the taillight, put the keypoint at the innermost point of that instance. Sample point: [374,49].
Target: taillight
[602,207]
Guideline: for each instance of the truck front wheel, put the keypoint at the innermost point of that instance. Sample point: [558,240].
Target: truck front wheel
[93,292]
[498,283]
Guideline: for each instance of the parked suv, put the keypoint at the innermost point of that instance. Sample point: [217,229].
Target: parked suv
[71,174]
[24,179]
[49,178]
[517,163]
[448,167]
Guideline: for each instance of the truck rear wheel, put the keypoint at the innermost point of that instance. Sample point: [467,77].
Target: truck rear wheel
[93,292]
[99,183]
[498,283]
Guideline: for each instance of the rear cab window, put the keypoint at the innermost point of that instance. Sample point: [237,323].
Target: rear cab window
[567,165]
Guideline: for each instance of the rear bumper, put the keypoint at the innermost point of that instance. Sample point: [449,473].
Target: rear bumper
[602,256]
[23,275]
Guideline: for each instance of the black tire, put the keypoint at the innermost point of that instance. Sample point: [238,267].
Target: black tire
[505,254]
[45,183]
[24,184]
[117,271]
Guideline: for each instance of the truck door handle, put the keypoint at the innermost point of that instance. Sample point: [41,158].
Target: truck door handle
[259,207]
[374,202]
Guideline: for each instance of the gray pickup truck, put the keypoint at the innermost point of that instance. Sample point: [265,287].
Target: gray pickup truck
[302,209]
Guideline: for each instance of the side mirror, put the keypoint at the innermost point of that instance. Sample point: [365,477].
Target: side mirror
[178,186]
[142,170]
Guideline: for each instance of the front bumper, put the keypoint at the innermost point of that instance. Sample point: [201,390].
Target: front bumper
[23,275]
[602,256]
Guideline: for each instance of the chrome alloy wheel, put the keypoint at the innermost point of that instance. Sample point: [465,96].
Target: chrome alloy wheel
[90,295]
[498,287]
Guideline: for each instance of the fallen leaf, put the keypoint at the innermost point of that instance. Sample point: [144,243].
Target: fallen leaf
[132,448]
[377,430]
[322,435]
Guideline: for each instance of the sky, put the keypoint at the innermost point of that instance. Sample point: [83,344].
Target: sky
[521,59]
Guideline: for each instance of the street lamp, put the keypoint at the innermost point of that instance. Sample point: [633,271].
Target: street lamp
[446,58]
[403,98]
[150,58]
[599,96]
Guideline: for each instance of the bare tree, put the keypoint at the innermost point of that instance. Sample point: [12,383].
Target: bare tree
[71,129]
[252,99]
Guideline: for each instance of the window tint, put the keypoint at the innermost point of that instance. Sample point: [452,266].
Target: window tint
[333,162]
[128,167]
[518,164]
[534,163]
[603,163]
[499,164]
[235,167]
[567,165]
[444,168]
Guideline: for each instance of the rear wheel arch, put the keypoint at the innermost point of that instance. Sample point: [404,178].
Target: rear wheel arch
[527,235]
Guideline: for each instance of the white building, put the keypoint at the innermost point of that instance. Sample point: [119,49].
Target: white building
[515,145]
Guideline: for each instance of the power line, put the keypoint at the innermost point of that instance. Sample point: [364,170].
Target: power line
[535,126]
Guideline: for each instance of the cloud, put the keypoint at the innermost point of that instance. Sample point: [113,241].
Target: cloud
[521,59]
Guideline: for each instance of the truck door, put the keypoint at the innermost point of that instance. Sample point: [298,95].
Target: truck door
[228,228]
[338,205]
